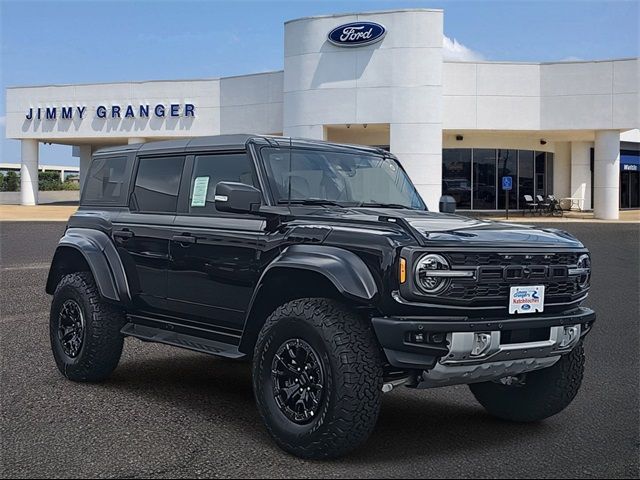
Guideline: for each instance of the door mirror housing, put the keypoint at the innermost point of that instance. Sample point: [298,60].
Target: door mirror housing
[235,197]
[447,204]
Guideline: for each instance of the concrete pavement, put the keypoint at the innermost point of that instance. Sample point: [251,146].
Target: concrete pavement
[170,413]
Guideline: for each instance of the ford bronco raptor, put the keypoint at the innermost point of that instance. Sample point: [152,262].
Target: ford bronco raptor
[321,265]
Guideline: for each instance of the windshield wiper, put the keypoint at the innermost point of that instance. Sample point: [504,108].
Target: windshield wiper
[383,205]
[312,201]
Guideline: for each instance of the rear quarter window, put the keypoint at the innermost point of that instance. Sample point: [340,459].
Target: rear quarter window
[107,182]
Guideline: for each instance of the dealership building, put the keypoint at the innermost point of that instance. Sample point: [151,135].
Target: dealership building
[569,129]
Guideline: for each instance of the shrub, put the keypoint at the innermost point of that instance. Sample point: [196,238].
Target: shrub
[48,181]
[11,182]
[70,186]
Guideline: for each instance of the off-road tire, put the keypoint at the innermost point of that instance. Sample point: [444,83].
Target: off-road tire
[102,343]
[351,357]
[543,394]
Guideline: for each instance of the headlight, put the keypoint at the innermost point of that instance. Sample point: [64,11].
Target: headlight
[584,268]
[432,273]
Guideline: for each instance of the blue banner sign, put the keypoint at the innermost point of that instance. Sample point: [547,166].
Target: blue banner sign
[357,34]
[507,183]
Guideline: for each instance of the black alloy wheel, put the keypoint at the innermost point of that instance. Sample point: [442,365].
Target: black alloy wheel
[71,328]
[298,381]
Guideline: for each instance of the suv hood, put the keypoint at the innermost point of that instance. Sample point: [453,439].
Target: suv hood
[455,230]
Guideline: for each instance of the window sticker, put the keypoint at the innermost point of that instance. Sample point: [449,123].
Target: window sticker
[200,187]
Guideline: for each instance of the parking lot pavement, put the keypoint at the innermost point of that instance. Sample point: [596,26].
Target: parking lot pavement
[172,413]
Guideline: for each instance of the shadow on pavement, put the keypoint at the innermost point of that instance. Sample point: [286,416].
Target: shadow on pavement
[411,424]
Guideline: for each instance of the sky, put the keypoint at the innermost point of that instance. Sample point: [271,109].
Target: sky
[52,42]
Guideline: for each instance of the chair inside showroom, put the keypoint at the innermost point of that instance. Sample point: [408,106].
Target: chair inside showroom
[529,205]
[544,206]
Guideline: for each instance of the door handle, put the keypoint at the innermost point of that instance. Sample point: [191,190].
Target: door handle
[184,239]
[123,234]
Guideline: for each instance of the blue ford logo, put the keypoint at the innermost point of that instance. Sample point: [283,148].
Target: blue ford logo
[357,34]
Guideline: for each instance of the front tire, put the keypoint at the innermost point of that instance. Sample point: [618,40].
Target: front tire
[536,395]
[330,353]
[84,330]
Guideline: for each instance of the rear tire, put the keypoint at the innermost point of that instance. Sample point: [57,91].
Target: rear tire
[541,394]
[84,330]
[339,348]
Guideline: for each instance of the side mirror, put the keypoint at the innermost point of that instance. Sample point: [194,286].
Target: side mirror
[237,197]
[447,204]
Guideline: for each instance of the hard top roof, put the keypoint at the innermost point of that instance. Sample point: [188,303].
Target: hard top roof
[230,142]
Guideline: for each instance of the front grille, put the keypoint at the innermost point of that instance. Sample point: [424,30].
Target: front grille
[503,260]
[470,291]
[496,273]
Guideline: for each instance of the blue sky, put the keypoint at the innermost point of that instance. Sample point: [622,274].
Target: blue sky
[99,41]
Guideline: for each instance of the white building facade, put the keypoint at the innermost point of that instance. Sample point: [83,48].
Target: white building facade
[458,128]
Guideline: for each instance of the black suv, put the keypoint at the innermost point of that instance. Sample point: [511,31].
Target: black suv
[320,264]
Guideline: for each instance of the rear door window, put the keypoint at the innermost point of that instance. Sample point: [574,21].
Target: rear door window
[157,184]
[107,182]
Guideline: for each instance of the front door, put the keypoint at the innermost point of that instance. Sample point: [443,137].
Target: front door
[213,267]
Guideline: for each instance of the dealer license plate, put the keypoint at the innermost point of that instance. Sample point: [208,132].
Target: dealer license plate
[526,299]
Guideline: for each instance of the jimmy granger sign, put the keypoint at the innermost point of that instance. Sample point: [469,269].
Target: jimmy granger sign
[113,111]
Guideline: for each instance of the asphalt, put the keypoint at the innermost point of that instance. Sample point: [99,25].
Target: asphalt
[172,413]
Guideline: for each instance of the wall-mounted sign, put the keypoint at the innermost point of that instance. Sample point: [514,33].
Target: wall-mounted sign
[357,34]
[112,111]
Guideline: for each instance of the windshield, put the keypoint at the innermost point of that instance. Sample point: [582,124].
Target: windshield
[333,178]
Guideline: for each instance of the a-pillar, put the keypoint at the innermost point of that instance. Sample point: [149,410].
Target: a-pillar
[606,175]
[29,172]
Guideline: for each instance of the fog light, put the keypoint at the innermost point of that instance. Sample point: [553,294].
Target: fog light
[569,335]
[481,343]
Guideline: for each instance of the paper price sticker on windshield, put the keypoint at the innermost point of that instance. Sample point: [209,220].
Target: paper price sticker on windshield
[526,299]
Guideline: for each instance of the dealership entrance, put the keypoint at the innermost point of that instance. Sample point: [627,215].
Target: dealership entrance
[629,179]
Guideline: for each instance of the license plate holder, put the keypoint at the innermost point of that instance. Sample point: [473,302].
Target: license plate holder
[526,299]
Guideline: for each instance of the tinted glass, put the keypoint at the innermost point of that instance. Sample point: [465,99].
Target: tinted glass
[209,170]
[157,184]
[540,169]
[456,175]
[106,181]
[525,180]
[508,167]
[549,173]
[484,174]
[347,179]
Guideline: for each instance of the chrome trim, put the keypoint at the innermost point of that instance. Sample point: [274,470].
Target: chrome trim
[448,273]
[444,376]
[579,271]
[459,366]
[461,346]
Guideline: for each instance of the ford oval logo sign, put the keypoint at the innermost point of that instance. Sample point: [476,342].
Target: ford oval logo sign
[357,34]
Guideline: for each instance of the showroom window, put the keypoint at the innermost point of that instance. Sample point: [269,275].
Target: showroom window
[473,176]
[456,175]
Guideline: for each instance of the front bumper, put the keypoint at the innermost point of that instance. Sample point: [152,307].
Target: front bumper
[447,345]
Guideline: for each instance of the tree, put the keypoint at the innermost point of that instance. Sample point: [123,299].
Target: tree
[12,182]
[49,181]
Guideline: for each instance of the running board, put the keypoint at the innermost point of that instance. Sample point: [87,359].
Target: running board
[203,345]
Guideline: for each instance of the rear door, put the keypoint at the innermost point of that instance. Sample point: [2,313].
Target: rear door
[213,254]
[142,234]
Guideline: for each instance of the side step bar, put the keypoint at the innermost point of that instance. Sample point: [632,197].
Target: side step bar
[203,345]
